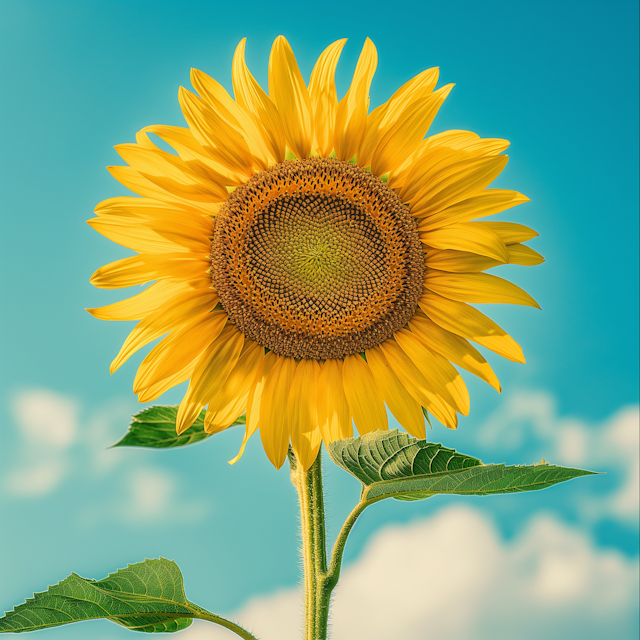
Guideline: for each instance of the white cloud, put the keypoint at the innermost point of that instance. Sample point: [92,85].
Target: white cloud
[48,434]
[453,577]
[611,446]
[151,497]
[48,426]
[46,417]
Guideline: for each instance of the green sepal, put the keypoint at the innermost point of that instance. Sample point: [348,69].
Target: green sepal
[155,427]
[391,464]
[148,596]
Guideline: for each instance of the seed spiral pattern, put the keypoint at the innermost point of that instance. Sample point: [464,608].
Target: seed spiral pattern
[317,259]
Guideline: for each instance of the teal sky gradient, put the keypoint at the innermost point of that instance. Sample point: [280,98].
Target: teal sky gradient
[557,79]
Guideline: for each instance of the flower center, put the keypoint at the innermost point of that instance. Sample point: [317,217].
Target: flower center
[317,259]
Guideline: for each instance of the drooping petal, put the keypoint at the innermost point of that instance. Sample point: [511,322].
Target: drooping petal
[303,419]
[464,236]
[441,375]
[254,401]
[469,323]
[417,385]
[324,101]
[156,390]
[164,319]
[334,418]
[289,93]
[365,401]
[211,372]
[252,97]
[477,287]
[273,421]
[231,400]
[351,117]
[401,403]
[179,348]
[454,348]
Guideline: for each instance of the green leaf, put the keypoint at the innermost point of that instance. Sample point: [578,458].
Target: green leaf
[156,427]
[391,464]
[148,596]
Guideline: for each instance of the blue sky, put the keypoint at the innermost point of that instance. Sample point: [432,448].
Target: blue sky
[559,80]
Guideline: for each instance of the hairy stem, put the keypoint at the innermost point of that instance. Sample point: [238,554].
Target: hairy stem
[227,624]
[314,552]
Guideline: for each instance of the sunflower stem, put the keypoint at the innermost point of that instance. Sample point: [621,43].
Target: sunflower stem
[314,550]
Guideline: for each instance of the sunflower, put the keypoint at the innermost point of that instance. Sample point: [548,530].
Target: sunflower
[311,262]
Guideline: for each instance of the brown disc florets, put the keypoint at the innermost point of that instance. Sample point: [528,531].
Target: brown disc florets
[317,259]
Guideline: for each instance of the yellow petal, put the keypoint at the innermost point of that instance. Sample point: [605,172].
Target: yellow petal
[351,117]
[401,403]
[273,421]
[172,174]
[289,93]
[141,237]
[144,268]
[167,317]
[417,385]
[467,236]
[457,182]
[402,139]
[386,115]
[152,211]
[155,391]
[179,348]
[441,375]
[510,232]
[521,254]
[365,401]
[469,323]
[141,305]
[303,419]
[324,101]
[490,202]
[231,400]
[453,348]
[333,410]
[211,372]
[241,120]
[458,261]
[131,179]
[477,287]
[199,159]
[254,401]
[250,95]
[222,141]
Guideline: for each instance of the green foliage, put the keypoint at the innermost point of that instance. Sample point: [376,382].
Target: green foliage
[156,427]
[148,596]
[391,464]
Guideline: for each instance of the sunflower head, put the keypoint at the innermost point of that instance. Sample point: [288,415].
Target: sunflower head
[312,262]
